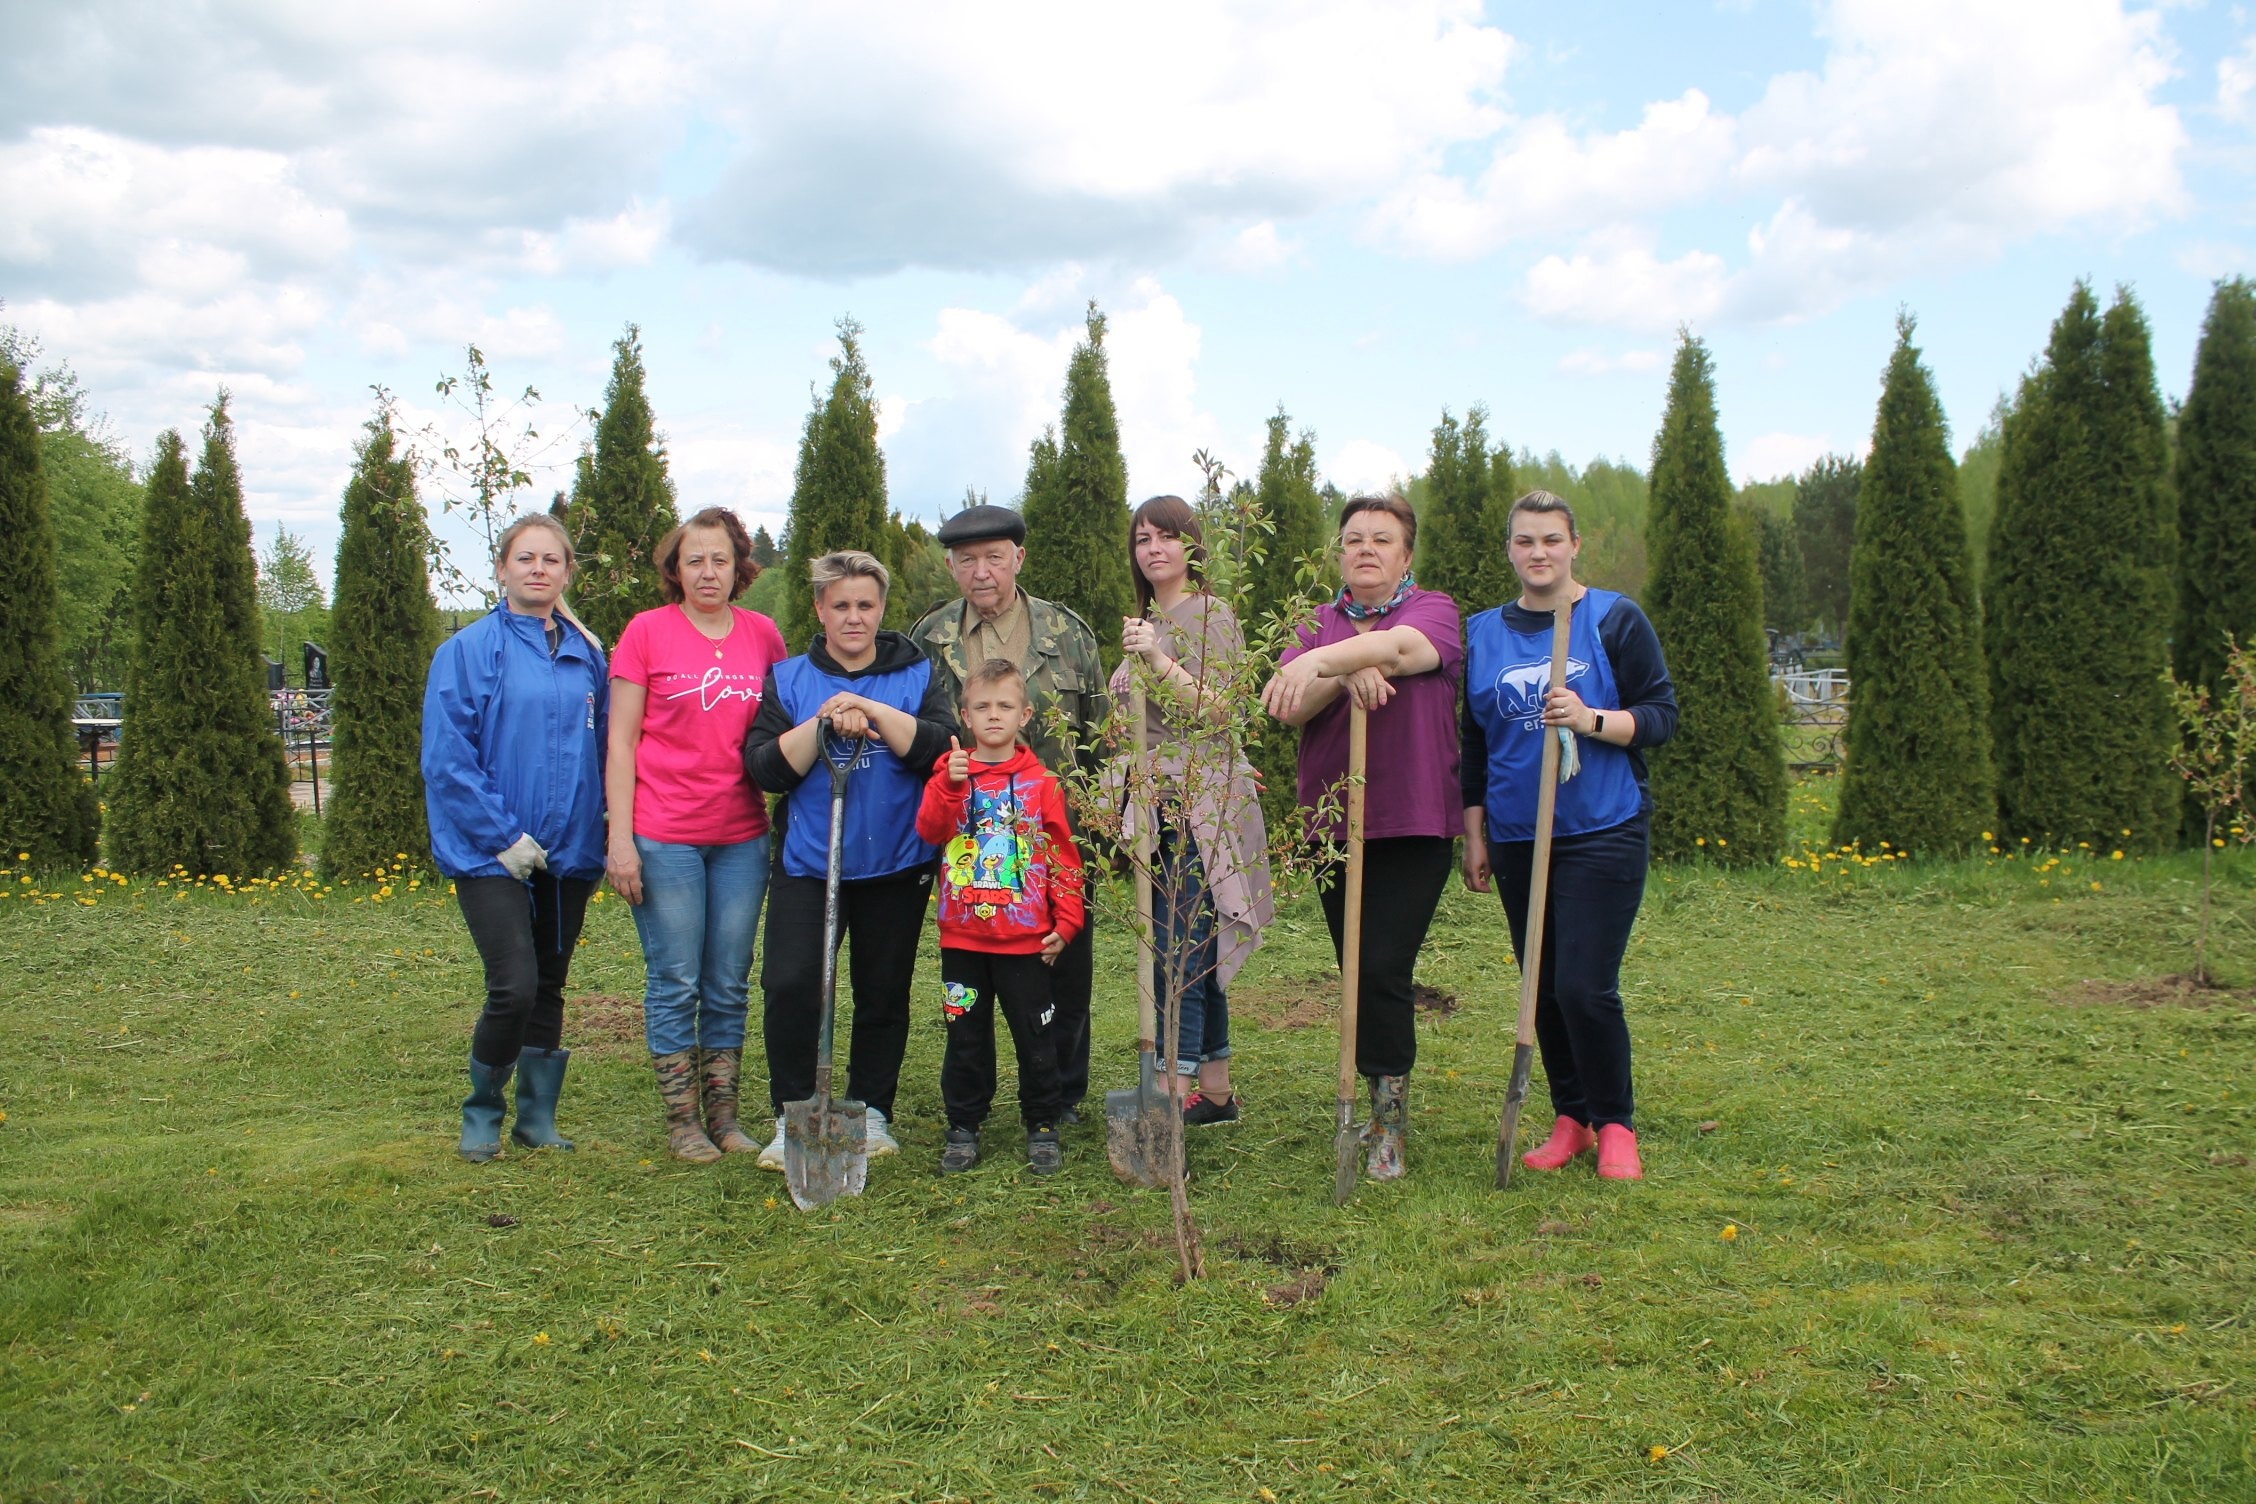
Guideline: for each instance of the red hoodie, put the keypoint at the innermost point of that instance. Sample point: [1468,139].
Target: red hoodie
[1010,873]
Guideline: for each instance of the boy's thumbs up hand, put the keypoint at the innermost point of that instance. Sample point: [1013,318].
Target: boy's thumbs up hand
[959,762]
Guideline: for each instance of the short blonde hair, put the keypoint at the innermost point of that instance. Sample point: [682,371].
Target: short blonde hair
[849,564]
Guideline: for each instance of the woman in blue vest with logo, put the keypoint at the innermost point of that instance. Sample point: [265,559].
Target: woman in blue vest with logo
[1616,702]
[891,716]
[514,720]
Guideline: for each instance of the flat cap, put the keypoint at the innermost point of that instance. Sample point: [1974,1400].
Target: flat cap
[978,524]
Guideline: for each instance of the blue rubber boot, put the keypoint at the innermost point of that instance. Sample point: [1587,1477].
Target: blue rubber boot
[540,1076]
[482,1110]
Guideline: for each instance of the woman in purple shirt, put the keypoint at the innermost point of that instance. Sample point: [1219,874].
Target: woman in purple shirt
[1400,653]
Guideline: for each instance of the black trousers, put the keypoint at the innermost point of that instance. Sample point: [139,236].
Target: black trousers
[884,919]
[1597,882]
[525,933]
[1072,979]
[978,985]
[1403,877]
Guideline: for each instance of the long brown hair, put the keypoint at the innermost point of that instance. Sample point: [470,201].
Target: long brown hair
[1173,516]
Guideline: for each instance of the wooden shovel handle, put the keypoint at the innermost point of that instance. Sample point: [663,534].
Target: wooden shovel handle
[1351,921]
[1546,807]
[1147,998]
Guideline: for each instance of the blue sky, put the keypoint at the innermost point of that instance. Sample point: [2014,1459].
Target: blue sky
[1362,209]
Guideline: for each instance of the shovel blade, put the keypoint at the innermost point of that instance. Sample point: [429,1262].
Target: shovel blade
[1508,1131]
[825,1150]
[1347,1153]
[1137,1130]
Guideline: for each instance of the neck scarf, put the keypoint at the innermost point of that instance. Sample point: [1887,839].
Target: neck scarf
[1357,612]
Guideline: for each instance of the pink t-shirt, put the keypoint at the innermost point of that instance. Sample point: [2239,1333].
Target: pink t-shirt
[1410,785]
[690,784]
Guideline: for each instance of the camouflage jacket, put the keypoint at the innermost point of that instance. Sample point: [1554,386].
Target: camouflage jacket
[1063,670]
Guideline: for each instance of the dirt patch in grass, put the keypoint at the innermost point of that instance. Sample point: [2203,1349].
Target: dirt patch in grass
[1311,1266]
[2178,990]
[1313,1002]
[603,1023]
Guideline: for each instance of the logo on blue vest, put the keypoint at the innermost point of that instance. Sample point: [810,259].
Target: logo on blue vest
[1520,689]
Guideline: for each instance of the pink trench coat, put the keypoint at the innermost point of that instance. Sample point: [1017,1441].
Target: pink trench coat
[1203,767]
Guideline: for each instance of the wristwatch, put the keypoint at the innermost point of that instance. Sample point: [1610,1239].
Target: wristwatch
[1597,724]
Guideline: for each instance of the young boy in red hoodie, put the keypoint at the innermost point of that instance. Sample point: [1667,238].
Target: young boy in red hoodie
[1010,899]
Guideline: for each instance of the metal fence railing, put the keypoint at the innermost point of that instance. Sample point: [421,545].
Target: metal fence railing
[301,720]
[1814,714]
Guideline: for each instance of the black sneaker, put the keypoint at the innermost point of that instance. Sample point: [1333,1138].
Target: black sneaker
[1044,1153]
[1199,1110]
[1070,1116]
[962,1151]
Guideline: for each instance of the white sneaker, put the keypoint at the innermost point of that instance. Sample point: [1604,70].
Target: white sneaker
[771,1158]
[881,1140]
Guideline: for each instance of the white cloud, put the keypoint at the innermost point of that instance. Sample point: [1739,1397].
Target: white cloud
[1361,465]
[1258,248]
[2236,81]
[1624,284]
[1544,180]
[1771,455]
[1601,363]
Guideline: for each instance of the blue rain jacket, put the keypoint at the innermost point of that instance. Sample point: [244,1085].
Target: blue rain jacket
[513,744]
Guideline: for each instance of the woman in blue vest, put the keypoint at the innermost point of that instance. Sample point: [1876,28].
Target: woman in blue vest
[514,719]
[1617,701]
[892,717]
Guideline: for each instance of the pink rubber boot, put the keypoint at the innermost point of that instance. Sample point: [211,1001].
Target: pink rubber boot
[1568,1139]
[1617,1154]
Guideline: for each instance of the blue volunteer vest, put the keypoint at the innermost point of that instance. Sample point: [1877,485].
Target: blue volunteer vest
[882,792]
[1507,674]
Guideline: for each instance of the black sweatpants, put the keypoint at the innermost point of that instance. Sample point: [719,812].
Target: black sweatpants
[978,984]
[883,917]
[1597,882]
[1072,980]
[525,933]
[1402,881]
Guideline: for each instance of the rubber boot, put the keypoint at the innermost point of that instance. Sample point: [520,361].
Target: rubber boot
[540,1078]
[719,1078]
[1617,1154]
[1568,1140]
[1390,1125]
[677,1088]
[482,1112]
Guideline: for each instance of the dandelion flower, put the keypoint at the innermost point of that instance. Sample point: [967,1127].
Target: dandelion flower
[540,1339]
[1730,1233]
[1656,1453]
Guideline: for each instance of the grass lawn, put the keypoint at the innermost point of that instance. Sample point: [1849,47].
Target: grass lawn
[1942,1203]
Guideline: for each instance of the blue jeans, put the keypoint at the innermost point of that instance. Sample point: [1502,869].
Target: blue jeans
[699,913]
[1183,934]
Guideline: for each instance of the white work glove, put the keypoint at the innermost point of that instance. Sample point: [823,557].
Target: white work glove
[524,858]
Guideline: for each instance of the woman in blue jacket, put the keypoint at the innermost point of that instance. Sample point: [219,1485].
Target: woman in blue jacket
[514,720]
[892,717]
[1617,701]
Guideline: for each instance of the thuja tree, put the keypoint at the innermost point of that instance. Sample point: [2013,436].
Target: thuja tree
[1464,531]
[1289,565]
[622,501]
[838,490]
[2216,489]
[383,631]
[2077,600]
[1719,788]
[199,782]
[1917,773]
[1825,525]
[1077,500]
[46,804]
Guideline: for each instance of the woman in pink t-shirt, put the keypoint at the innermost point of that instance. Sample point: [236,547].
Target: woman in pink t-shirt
[688,845]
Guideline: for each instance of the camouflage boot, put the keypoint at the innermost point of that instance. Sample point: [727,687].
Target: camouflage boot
[677,1088]
[1390,1124]
[719,1077]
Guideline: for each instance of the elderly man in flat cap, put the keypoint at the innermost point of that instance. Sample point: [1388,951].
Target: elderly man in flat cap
[1057,652]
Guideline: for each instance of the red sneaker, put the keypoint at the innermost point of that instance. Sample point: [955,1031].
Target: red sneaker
[1568,1139]
[1617,1154]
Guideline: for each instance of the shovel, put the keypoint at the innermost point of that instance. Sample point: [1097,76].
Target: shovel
[1137,1134]
[1347,1141]
[826,1139]
[1539,889]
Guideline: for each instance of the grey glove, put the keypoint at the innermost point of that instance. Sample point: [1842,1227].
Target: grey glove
[523,858]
